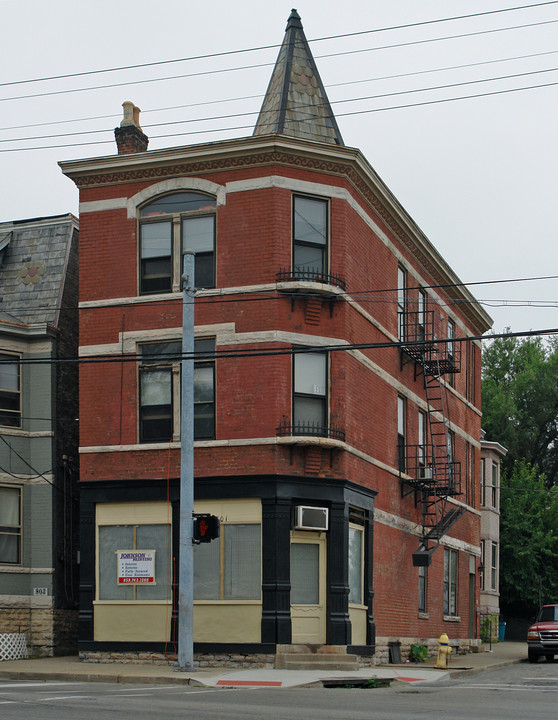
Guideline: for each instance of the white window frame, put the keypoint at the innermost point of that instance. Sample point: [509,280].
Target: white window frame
[401,433]
[494,565]
[356,594]
[401,301]
[321,270]
[423,589]
[451,575]
[172,367]
[10,530]
[176,221]
[8,360]
[221,572]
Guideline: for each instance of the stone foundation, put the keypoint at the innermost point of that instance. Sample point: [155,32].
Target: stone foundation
[49,632]
[459,646]
[255,660]
[232,660]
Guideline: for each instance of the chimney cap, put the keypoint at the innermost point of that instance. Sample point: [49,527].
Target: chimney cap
[131,115]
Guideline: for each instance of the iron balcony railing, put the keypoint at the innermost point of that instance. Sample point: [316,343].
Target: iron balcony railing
[430,469]
[424,337]
[311,275]
[286,429]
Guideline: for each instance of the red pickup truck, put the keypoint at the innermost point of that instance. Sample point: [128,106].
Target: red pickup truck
[542,637]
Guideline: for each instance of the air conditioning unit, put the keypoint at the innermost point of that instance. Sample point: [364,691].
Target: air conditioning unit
[425,473]
[311,518]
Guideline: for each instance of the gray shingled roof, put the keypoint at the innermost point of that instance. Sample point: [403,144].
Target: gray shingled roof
[296,102]
[32,269]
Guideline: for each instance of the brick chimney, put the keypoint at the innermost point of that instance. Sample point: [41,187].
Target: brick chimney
[129,136]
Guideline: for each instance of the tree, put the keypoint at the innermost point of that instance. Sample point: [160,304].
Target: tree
[528,542]
[520,401]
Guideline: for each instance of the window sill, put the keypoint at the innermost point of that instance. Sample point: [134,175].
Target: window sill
[132,602]
[423,616]
[227,602]
[304,286]
[452,618]
[310,440]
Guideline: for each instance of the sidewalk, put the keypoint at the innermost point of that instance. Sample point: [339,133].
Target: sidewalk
[70,669]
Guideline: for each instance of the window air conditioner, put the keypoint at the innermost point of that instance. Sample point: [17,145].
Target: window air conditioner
[425,473]
[311,518]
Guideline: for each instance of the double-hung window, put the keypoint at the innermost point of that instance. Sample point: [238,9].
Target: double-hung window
[482,569]
[310,393]
[495,485]
[450,582]
[155,539]
[310,238]
[168,226]
[494,567]
[451,350]
[229,568]
[10,525]
[10,394]
[356,594]
[422,588]
[401,302]
[421,450]
[159,391]
[451,336]
[421,315]
[401,433]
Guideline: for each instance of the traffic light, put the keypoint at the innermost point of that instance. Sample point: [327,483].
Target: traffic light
[206,528]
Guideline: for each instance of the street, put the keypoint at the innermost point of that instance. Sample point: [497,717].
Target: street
[515,692]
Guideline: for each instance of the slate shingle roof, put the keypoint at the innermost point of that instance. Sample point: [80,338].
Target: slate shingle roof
[296,102]
[32,270]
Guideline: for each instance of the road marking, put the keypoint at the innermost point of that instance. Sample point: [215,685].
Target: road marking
[64,697]
[35,684]
[528,688]
[146,687]
[248,683]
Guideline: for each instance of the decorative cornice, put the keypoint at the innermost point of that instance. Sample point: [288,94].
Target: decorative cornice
[335,161]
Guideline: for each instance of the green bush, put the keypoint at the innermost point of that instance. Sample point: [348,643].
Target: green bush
[418,653]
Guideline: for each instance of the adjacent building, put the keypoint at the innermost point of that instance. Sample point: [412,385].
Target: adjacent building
[337,394]
[491,457]
[38,432]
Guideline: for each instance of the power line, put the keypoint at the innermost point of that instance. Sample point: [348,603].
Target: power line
[274,352]
[300,108]
[246,127]
[260,65]
[263,295]
[267,47]
[253,97]
[382,294]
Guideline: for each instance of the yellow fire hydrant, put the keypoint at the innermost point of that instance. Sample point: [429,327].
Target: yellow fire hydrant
[444,650]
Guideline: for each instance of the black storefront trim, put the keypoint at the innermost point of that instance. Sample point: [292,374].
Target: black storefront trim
[279,494]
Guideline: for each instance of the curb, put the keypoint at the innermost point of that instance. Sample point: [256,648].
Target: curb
[97,677]
[464,672]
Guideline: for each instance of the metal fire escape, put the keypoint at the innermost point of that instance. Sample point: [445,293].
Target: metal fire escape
[431,472]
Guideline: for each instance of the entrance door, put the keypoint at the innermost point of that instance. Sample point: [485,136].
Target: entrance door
[308,616]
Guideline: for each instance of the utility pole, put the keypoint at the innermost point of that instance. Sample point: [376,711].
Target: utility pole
[186,561]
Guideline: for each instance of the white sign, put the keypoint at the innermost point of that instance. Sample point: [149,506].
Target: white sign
[40,591]
[136,567]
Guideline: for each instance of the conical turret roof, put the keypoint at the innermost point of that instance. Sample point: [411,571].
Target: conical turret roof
[296,103]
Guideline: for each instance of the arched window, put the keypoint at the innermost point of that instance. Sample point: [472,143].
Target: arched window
[169,225]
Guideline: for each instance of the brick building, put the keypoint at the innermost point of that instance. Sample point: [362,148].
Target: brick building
[337,405]
[38,433]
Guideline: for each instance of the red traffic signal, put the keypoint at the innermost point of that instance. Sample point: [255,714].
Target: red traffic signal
[206,528]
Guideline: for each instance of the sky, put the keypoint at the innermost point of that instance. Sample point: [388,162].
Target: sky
[477,174]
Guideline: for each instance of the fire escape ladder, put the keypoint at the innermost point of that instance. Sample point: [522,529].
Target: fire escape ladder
[432,472]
